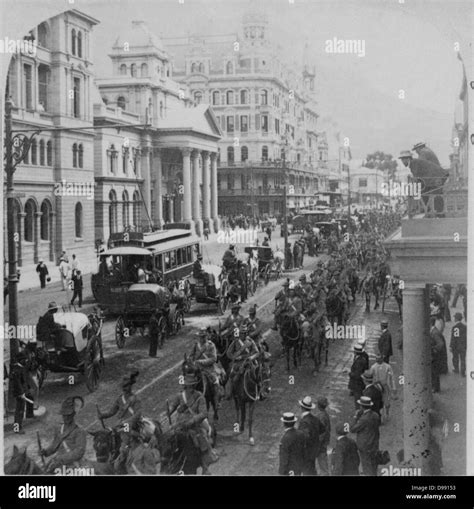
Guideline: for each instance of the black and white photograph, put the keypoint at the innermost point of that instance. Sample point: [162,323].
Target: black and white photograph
[235,240]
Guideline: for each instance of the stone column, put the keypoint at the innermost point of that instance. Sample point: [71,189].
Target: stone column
[196,202]
[417,395]
[187,218]
[171,209]
[214,214]
[206,199]
[157,170]
[36,235]
[146,175]
[52,235]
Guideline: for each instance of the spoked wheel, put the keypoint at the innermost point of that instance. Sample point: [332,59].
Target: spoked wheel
[266,274]
[178,321]
[222,302]
[161,332]
[120,332]
[93,364]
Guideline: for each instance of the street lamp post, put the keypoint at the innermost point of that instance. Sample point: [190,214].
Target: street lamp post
[285,214]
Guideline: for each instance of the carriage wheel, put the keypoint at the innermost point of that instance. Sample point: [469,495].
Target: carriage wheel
[178,320]
[222,302]
[93,364]
[266,274]
[162,327]
[120,332]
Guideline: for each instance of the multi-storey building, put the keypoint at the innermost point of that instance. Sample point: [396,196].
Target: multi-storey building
[266,112]
[51,89]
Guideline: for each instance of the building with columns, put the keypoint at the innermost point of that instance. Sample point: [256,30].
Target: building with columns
[170,165]
[51,88]
[266,111]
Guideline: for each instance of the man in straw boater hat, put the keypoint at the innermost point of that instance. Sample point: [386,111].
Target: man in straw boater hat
[192,416]
[345,456]
[426,153]
[360,364]
[374,390]
[69,444]
[365,425]
[46,325]
[312,429]
[292,447]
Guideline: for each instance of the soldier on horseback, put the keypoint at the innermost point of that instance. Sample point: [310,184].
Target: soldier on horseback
[303,290]
[69,444]
[192,418]
[280,303]
[233,321]
[242,351]
[204,356]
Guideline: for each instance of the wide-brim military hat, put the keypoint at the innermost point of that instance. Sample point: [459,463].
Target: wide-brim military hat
[71,405]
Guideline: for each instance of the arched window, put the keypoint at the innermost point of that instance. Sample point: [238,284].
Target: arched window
[73,41]
[43,39]
[193,67]
[198,97]
[34,152]
[45,233]
[44,75]
[49,153]
[78,220]
[30,209]
[264,97]
[215,97]
[79,44]
[123,69]
[81,156]
[74,155]
[144,70]
[42,153]
[201,67]
[244,97]
[228,68]
[121,102]
[136,209]
[229,97]
[133,70]
[113,226]
[125,209]
[264,153]
[230,154]
[244,153]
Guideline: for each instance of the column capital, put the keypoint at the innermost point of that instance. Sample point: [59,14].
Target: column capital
[38,214]
[196,153]
[157,151]
[206,155]
[146,150]
[213,156]
[186,152]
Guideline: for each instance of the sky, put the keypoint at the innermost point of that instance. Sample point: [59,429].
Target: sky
[409,46]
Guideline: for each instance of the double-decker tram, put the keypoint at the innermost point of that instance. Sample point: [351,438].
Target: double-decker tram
[164,257]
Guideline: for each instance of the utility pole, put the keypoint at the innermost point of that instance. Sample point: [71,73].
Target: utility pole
[285,218]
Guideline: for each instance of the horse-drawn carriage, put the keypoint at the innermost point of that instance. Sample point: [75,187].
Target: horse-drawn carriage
[76,347]
[269,264]
[212,287]
[141,301]
[326,230]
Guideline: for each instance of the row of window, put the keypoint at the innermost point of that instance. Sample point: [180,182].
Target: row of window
[113,210]
[41,149]
[246,182]
[230,97]
[231,123]
[144,72]
[244,154]
[28,224]
[129,155]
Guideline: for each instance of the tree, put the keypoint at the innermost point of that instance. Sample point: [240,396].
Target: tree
[382,161]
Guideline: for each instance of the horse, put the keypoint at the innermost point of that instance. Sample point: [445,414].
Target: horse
[204,385]
[316,343]
[292,338]
[353,282]
[245,390]
[222,344]
[21,464]
[179,454]
[336,308]
[369,286]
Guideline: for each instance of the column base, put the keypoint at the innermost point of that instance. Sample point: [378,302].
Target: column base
[198,226]
[217,224]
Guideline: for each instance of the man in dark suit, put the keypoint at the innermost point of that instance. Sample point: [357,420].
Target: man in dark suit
[345,457]
[325,435]
[360,364]
[373,391]
[426,153]
[366,426]
[437,344]
[292,447]
[312,429]
[385,342]
[458,344]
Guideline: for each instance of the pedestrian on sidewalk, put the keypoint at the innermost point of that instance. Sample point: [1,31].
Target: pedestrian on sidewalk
[383,374]
[366,426]
[437,342]
[458,344]
[77,287]
[63,272]
[374,391]
[154,333]
[359,366]
[345,456]
[385,342]
[292,447]
[311,426]
[325,436]
[74,266]
[206,233]
[21,392]
[42,271]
